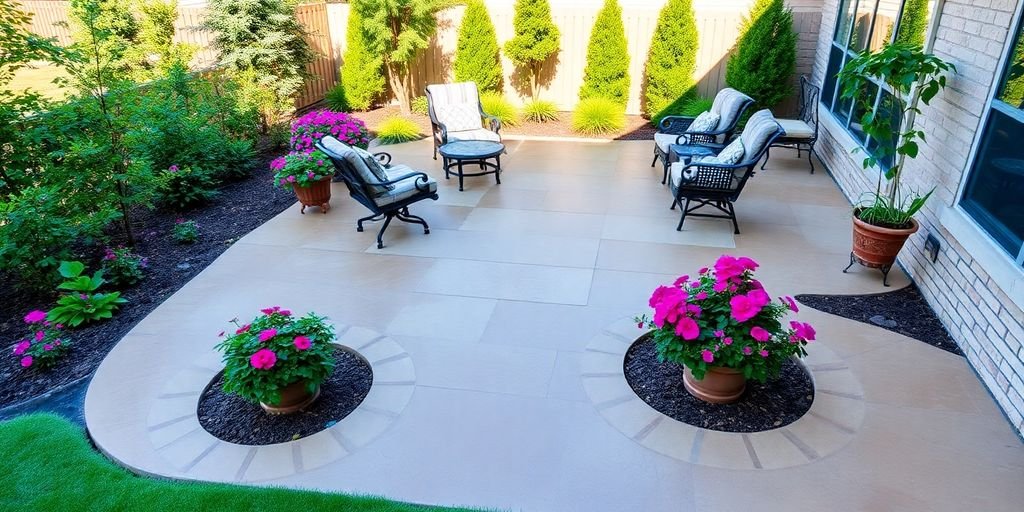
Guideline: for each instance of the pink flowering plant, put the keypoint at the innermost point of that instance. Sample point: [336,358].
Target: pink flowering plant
[45,344]
[313,126]
[725,318]
[275,350]
[301,169]
[122,267]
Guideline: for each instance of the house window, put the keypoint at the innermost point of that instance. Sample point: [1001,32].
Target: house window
[868,25]
[994,192]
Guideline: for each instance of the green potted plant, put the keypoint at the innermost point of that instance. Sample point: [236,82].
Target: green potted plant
[308,174]
[885,219]
[724,328]
[278,360]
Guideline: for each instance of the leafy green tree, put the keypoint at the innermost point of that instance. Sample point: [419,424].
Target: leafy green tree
[764,59]
[476,56]
[607,71]
[264,38]
[672,59]
[156,52]
[913,23]
[120,28]
[536,40]
[361,80]
[397,30]
[1013,89]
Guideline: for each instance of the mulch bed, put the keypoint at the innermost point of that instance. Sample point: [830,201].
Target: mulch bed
[235,420]
[239,208]
[903,311]
[762,407]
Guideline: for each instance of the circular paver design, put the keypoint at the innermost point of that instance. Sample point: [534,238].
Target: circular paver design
[832,421]
[174,429]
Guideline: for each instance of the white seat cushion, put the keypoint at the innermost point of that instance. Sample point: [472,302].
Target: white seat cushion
[459,117]
[796,129]
[405,188]
[664,140]
[365,164]
[477,134]
[676,173]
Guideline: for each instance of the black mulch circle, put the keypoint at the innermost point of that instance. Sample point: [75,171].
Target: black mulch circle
[903,311]
[235,420]
[762,407]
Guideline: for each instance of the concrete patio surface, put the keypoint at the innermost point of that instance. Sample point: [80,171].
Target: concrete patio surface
[493,344]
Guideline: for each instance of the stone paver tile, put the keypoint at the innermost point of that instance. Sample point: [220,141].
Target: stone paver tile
[270,462]
[166,433]
[169,409]
[395,369]
[223,464]
[816,437]
[450,318]
[317,450]
[631,417]
[480,367]
[534,222]
[628,291]
[672,438]
[566,382]
[392,398]
[607,343]
[707,233]
[599,364]
[845,412]
[186,451]
[531,249]
[541,325]
[602,390]
[361,427]
[534,283]
[775,451]
[724,450]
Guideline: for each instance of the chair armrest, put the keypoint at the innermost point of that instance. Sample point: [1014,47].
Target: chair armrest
[675,124]
[421,179]
[494,124]
[709,167]
[440,131]
[384,158]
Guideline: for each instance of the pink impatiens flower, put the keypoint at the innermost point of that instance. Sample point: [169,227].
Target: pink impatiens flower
[302,342]
[764,353]
[35,317]
[243,329]
[719,333]
[681,281]
[727,340]
[760,334]
[802,330]
[26,361]
[747,351]
[21,347]
[707,356]
[745,307]
[263,359]
[729,267]
[789,302]
[687,328]
[40,335]
[266,334]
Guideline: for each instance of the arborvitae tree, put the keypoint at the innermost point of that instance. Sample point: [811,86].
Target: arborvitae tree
[536,39]
[913,23]
[156,52]
[673,57]
[397,30]
[607,71]
[476,56]
[361,77]
[764,59]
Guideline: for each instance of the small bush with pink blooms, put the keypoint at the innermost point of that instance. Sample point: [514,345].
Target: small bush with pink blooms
[313,126]
[122,267]
[725,318]
[301,169]
[275,350]
[45,344]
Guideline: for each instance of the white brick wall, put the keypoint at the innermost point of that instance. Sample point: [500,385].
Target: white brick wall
[984,321]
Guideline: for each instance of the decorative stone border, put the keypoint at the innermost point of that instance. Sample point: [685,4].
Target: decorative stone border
[832,421]
[174,429]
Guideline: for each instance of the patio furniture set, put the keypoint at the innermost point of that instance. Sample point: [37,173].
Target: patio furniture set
[705,164]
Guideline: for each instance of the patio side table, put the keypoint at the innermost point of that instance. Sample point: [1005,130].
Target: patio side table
[472,152]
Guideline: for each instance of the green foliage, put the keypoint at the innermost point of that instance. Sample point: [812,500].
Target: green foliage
[396,129]
[362,80]
[118,29]
[689,106]
[420,105]
[187,187]
[913,23]
[155,51]
[82,303]
[1013,88]
[672,59]
[123,267]
[275,350]
[265,38]
[597,115]
[607,71]
[301,169]
[536,40]
[764,60]
[396,30]
[476,55]
[497,105]
[45,344]
[540,111]
[185,231]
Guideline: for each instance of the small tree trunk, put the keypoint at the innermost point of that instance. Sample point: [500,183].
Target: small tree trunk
[398,79]
[534,79]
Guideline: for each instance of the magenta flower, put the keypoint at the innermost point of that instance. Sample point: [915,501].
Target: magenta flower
[48,347]
[745,307]
[720,286]
[681,281]
[727,340]
[759,334]
[728,267]
[707,356]
[285,312]
[788,301]
[26,361]
[266,334]
[803,331]
[764,353]
[291,179]
[310,175]
[243,329]
[301,342]
[40,335]
[701,296]
[173,168]
[35,316]
[687,328]
[747,351]
[703,270]
[263,359]
[21,347]
[719,333]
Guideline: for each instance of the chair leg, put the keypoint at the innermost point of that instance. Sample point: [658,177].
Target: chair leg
[655,157]
[675,201]
[405,216]
[810,153]
[370,218]
[767,155]
[682,218]
[664,177]
[732,215]
[380,234]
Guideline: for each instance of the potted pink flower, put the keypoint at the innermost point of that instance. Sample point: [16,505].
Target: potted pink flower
[724,328]
[45,344]
[278,360]
[308,174]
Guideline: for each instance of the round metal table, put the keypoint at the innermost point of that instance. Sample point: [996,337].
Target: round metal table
[460,153]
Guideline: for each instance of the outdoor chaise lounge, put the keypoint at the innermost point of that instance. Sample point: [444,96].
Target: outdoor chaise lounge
[801,132]
[456,114]
[386,190]
[717,181]
[714,126]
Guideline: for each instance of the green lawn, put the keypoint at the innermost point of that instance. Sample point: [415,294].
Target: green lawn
[47,464]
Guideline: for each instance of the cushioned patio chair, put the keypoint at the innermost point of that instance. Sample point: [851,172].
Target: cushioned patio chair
[717,181]
[801,132]
[386,190]
[456,114]
[714,126]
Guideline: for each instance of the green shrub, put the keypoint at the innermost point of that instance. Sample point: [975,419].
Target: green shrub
[536,40]
[420,105]
[123,267]
[607,71]
[913,23]
[186,187]
[362,81]
[498,106]
[764,60]
[476,55]
[82,303]
[540,111]
[595,116]
[45,344]
[689,106]
[672,59]
[185,231]
[396,129]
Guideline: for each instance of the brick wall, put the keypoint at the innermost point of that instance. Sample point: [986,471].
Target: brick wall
[978,314]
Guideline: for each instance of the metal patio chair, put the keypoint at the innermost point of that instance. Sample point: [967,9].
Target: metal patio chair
[801,132]
[456,114]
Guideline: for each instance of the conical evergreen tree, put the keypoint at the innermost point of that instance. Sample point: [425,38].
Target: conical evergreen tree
[673,57]
[536,39]
[476,56]
[361,79]
[764,60]
[607,71]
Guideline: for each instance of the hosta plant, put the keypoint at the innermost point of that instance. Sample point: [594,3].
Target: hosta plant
[275,350]
[301,169]
[45,344]
[313,126]
[122,267]
[82,303]
[724,317]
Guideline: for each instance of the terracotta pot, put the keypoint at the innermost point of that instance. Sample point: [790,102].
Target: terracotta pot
[877,247]
[294,398]
[719,386]
[317,194]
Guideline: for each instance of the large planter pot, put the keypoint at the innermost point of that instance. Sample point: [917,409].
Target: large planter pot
[317,194]
[294,398]
[719,385]
[877,247]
